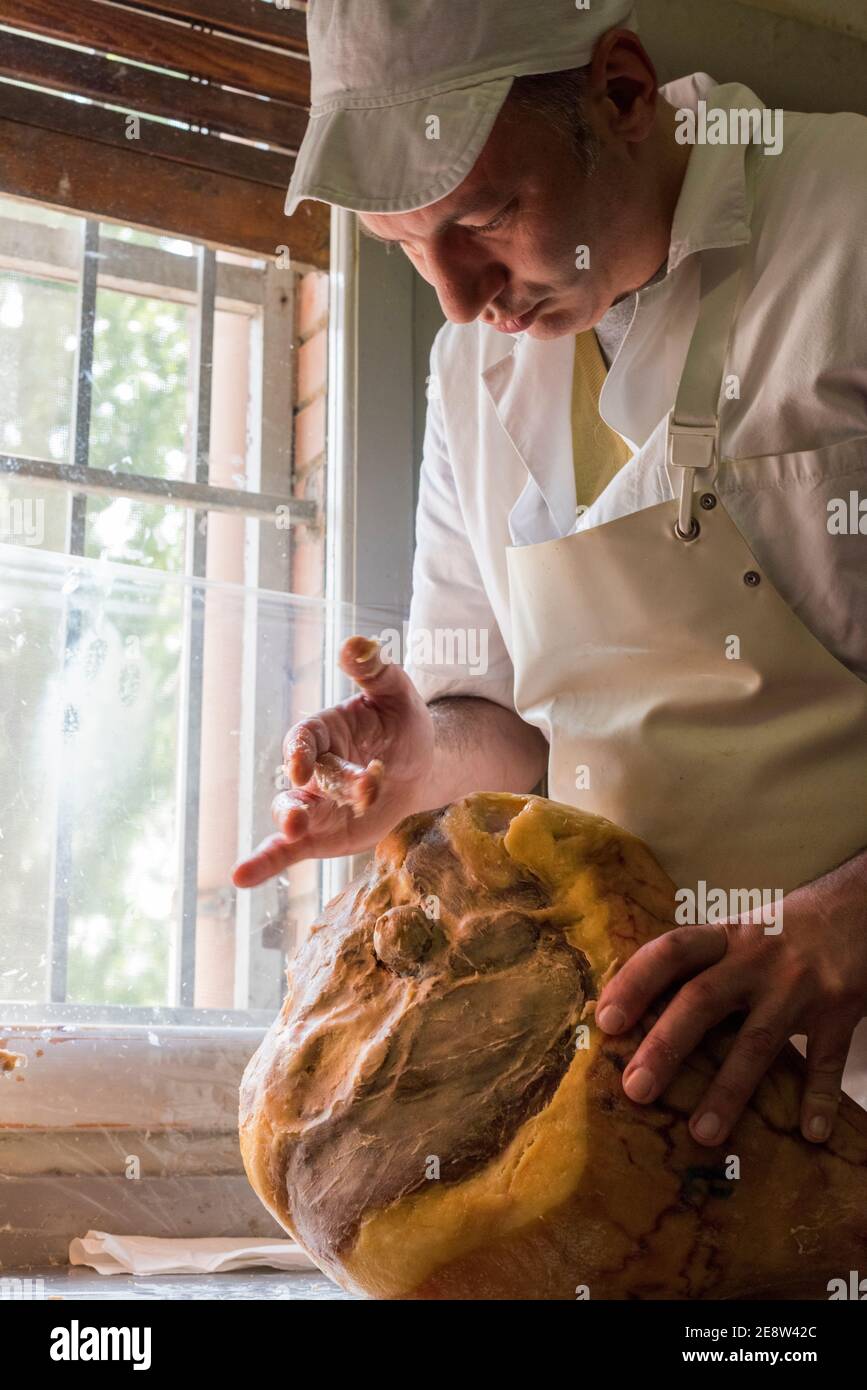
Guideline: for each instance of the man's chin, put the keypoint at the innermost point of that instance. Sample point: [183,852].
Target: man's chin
[560,323]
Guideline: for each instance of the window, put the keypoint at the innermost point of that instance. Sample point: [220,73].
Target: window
[187,519]
[145,690]
[164,555]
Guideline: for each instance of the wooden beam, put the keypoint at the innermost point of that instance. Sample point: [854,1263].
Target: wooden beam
[249,18]
[158,195]
[140,89]
[106,127]
[165,44]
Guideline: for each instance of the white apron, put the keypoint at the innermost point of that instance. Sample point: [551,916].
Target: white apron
[681,696]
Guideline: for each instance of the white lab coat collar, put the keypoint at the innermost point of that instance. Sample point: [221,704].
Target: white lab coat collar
[712,210]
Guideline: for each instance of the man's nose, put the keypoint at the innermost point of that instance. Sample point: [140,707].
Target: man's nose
[465,284]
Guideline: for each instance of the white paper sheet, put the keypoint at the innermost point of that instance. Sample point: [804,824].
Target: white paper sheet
[110,1254]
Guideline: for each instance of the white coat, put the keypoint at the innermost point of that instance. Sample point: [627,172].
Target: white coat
[498,469]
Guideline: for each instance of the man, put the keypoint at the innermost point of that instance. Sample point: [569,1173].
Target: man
[668,568]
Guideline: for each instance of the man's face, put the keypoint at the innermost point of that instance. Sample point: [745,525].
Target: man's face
[507,245]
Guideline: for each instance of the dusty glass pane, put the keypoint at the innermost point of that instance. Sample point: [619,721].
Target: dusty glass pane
[140,423]
[234,258]
[23,210]
[136,532]
[38,338]
[114,720]
[176,245]
[91,665]
[119,713]
[32,514]
[30,657]
[102,724]
[141,376]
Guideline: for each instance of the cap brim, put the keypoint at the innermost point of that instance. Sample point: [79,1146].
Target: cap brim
[396,158]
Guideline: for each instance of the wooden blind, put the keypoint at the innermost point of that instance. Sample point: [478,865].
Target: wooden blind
[195,111]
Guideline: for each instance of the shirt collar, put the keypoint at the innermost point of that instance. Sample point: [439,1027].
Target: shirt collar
[713,207]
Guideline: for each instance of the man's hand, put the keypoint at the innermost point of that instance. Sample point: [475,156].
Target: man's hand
[810,978]
[347,802]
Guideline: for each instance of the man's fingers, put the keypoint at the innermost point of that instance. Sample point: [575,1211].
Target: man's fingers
[302,818]
[761,1038]
[347,784]
[271,857]
[654,968]
[290,812]
[827,1050]
[304,743]
[298,816]
[697,1007]
[309,739]
[361,659]
[368,785]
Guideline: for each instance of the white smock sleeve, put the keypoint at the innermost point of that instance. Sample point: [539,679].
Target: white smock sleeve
[454,645]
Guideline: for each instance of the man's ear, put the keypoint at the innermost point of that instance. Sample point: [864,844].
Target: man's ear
[622,75]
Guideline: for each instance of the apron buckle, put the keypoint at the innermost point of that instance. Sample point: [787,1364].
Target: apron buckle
[691,448]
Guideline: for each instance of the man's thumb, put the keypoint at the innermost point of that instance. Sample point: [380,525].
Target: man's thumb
[361,659]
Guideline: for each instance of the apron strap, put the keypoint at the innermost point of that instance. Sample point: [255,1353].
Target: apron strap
[693,426]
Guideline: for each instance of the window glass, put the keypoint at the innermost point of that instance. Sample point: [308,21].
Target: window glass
[148,666]
[38,335]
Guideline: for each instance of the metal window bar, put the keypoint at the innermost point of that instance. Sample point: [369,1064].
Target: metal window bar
[262,917]
[100,483]
[194,645]
[340,563]
[84,381]
[61,872]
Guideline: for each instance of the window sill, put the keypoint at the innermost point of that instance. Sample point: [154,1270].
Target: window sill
[123,1128]
[123,1076]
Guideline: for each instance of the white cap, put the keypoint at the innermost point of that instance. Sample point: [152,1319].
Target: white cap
[405,92]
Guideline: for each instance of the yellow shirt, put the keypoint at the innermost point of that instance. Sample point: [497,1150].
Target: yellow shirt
[598,452]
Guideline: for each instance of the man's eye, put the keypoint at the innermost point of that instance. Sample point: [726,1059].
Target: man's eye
[497,222]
